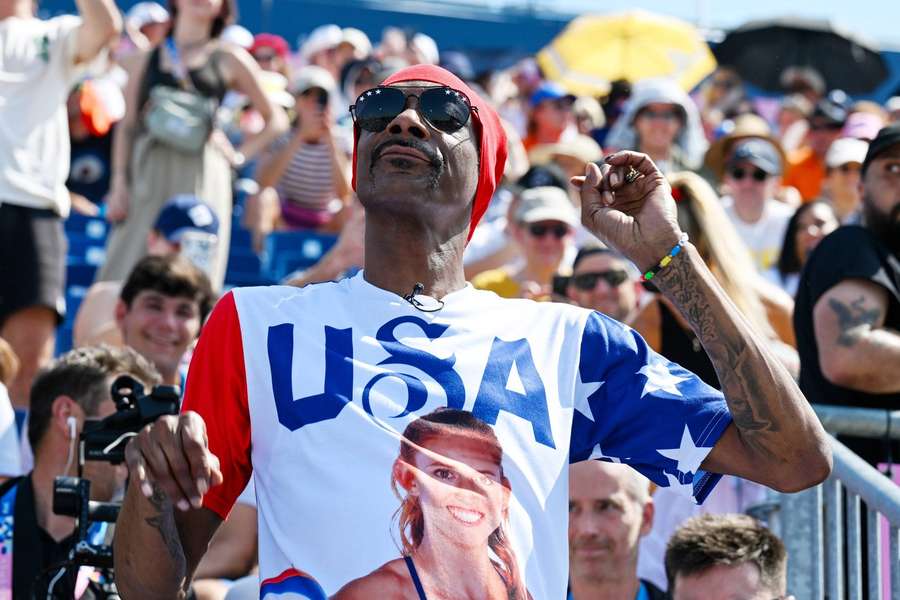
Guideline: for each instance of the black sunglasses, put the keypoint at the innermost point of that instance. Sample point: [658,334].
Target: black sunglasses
[587,281]
[757,174]
[539,230]
[320,95]
[443,108]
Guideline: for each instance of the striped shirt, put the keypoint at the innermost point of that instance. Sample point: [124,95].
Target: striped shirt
[307,182]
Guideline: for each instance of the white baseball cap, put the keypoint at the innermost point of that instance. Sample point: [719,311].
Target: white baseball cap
[845,150]
[321,38]
[358,39]
[238,35]
[145,13]
[546,203]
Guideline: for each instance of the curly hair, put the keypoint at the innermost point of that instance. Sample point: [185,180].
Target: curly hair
[443,423]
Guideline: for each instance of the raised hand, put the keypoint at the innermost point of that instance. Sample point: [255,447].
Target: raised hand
[172,454]
[635,214]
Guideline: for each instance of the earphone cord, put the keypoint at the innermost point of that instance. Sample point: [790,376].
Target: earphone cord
[71,456]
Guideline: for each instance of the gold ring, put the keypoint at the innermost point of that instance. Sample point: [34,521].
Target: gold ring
[631,175]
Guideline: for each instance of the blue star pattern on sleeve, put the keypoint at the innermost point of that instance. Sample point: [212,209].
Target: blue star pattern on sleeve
[634,406]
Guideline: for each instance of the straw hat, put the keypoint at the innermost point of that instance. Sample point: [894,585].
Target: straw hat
[743,126]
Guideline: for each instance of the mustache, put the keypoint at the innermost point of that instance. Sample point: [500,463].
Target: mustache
[429,152]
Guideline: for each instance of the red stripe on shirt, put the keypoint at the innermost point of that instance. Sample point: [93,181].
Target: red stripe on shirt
[216,388]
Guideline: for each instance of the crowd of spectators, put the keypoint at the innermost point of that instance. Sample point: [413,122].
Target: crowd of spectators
[270,149]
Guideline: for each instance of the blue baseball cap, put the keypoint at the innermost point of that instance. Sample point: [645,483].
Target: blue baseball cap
[549,91]
[184,213]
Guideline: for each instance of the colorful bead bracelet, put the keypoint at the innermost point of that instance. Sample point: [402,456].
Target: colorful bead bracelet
[675,251]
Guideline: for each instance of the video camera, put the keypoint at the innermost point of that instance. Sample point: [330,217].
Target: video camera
[105,440]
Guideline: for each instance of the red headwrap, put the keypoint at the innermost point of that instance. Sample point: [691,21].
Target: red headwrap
[492,151]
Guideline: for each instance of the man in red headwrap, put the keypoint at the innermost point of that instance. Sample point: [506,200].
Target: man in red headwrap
[407,434]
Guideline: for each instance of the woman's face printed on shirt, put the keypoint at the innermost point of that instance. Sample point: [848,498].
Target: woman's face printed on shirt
[460,489]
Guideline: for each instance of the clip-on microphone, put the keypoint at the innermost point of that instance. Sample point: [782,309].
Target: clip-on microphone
[430,304]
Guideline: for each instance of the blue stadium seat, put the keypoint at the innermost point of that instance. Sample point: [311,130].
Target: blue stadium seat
[80,274]
[86,249]
[63,338]
[244,268]
[92,227]
[288,251]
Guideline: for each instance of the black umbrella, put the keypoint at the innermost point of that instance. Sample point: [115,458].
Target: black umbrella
[761,50]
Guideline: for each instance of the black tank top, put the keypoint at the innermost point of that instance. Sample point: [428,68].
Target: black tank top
[207,80]
[684,348]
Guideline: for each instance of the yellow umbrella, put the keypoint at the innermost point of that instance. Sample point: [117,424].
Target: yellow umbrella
[594,50]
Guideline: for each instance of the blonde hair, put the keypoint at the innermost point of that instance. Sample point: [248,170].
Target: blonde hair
[701,215]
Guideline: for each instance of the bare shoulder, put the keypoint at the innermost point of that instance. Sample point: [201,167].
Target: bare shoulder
[390,581]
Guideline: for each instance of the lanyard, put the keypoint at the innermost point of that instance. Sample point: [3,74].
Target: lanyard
[178,68]
[7,518]
[96,536]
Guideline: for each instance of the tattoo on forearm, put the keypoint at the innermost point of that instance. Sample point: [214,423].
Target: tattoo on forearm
[854,319]
[742,378]
[164,523]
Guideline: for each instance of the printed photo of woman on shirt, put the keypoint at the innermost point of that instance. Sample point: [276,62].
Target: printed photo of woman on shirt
[454,504]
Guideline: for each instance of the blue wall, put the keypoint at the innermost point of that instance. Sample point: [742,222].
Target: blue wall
[490,37]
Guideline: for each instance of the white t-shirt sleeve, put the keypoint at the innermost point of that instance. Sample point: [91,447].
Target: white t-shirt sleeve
[10,463]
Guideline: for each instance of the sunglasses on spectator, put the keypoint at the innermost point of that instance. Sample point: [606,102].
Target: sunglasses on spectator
[264,56]
[443,108]
[757,174]
[587,281]
[320,95]
[825,126]
[560,103]
[849,168]
[539,230]
[667,115]
[725,84]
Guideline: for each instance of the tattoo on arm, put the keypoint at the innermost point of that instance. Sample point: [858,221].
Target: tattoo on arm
[854,319]
[164,523]
[742,376]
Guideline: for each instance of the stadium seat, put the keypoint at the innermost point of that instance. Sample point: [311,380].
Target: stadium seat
[289,251]
[92,227]
[86,249]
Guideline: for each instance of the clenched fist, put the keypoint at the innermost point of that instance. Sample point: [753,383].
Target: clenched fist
[637,218]
[173,454]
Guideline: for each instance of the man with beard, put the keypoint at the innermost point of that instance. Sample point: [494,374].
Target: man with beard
[310,390]
[847,315]
[610,510]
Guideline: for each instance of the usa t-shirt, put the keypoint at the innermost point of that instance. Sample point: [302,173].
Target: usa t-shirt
[373,429]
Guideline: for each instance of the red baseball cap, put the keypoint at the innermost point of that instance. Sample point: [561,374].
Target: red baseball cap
[270,40]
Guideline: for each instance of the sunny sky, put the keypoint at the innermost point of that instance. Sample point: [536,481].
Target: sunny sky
[878,20]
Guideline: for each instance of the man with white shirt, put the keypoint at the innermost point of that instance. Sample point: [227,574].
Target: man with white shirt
[40,61]
[752,176]
[404,404]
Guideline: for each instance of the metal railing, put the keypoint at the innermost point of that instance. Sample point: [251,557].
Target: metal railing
[822,527]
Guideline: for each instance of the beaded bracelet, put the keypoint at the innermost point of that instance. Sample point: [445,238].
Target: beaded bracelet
[675,251]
